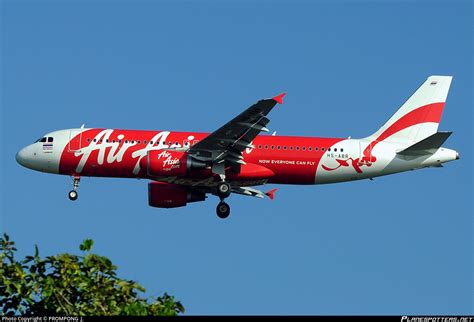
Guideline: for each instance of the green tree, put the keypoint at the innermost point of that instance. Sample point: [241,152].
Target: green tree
[68,284]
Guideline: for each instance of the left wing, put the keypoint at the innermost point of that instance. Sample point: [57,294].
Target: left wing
[247,191]
[225,145]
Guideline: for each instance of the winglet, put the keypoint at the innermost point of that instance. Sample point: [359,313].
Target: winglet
[271,194]
[279,98]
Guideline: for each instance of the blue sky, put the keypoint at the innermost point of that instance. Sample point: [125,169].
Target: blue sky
[400,244]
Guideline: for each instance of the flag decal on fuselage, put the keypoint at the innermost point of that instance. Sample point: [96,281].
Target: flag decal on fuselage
[48,147]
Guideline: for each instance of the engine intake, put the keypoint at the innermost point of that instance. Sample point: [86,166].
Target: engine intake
[166,195]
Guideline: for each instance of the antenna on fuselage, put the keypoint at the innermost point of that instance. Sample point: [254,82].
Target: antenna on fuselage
[274,133]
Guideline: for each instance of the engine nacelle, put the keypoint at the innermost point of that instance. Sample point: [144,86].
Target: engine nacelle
[170,163]
[166,195]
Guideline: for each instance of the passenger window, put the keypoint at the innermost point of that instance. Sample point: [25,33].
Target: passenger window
[303,148]
[278,147]
[138,141]
[342,150]
[322,149]
[297,148]
[88,140]
[284,147]
[310,148]
[266,147]
[273,147]
[144,142]
[291,148]
[329,149]
[335,149]
[151,142]
[50,139]
[316,149]
[260,146]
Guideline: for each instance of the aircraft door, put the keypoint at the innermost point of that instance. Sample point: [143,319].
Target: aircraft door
[75,140]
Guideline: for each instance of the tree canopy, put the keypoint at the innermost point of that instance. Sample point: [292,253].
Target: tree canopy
[67,284]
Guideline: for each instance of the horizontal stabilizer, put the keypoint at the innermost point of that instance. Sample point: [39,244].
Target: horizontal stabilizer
[426,146]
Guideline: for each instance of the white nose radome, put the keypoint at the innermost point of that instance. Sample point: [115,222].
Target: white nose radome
[35,158]
[23,158]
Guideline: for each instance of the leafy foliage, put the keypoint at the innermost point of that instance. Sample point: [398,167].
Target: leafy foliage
[68,284]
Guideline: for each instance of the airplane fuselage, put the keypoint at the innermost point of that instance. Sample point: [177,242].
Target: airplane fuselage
[289,159]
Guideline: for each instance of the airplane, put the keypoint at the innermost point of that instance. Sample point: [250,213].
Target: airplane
[185,167]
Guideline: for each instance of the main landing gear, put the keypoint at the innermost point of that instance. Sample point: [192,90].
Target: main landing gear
[75,184]
[223,210]
[223,191]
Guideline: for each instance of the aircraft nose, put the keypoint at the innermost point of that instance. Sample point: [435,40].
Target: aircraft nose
[21,157]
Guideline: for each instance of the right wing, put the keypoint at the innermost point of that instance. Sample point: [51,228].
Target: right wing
[226,144]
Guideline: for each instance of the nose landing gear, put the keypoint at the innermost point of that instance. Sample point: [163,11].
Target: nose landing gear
[75,184]
[72,195]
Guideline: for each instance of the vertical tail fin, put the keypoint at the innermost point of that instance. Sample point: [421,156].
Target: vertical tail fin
[419,116]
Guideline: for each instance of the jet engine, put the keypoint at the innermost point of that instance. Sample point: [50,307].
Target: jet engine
[166,195]
[170,163]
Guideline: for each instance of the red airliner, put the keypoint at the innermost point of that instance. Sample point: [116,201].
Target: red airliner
[186,166]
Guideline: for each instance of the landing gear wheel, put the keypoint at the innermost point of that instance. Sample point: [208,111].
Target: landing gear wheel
[75,184]
[223,210]
[223,189]
[73,195]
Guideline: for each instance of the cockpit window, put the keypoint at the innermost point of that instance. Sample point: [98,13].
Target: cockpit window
[50,139]
[42,140]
